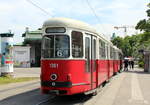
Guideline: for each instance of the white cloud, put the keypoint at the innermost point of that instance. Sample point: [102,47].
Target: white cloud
[119,9]
[4,7]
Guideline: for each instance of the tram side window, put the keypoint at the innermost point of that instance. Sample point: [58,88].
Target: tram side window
[114,53]
[87,53]
[77,44]
[117,56]
[120,56]
[111,52]
[102,50]
[107,53]
[99,49]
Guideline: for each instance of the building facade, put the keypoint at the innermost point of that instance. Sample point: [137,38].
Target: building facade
[21,56]
[33,39]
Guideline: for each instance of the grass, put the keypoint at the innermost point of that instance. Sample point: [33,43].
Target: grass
[7,80]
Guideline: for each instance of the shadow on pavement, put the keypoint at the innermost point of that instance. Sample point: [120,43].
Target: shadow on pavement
[70,100]
[28,98]
[35,97]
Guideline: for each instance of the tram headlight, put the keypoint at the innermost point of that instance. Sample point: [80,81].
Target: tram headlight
[53,77]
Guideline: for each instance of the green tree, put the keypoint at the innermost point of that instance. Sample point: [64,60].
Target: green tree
[144,25]
[129,45]
[118,41]
[144,42]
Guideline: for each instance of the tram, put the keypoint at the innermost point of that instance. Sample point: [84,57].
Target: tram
[75,58]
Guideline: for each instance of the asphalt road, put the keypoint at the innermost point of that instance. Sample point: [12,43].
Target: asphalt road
[127,88]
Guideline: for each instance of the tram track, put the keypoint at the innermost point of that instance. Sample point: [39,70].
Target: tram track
[46,100]
[65,100]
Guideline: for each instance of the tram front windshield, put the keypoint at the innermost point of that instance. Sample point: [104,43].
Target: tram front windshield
[55,46]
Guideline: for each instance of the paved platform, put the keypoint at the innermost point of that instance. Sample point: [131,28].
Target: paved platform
[128,88]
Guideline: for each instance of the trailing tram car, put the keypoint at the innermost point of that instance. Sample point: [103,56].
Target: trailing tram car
[75,58]
[117,63]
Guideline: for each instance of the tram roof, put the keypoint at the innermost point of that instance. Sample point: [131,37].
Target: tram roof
[71,23]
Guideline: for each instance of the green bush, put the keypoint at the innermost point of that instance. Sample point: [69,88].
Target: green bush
[141,64]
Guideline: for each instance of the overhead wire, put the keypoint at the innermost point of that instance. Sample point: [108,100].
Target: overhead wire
[43,10]
[95,14]
[92,9]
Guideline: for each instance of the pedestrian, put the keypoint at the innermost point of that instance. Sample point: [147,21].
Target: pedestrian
[32,63]
[132,64]
[126,62]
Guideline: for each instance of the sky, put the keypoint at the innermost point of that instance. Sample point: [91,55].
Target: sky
[16,15]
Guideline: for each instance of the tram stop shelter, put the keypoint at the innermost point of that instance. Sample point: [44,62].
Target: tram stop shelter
[147,61]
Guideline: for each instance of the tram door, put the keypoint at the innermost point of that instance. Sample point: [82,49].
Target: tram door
[93,62]
[90,56]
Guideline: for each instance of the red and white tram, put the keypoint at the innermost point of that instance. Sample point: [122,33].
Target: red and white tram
[75,58]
